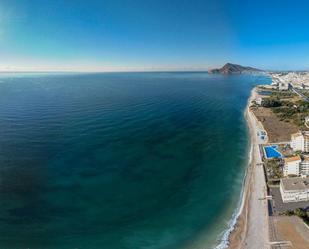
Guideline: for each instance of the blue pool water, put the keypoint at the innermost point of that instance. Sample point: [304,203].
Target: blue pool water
[271,152]
[265,93]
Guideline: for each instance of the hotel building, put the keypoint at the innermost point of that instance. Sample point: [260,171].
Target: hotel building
[294,189]
[307,121]
[304,166]
[300,141]
[292,166]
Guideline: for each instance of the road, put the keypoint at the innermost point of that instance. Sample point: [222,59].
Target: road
[297,91]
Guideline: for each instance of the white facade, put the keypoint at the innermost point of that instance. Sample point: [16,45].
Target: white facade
[294,189]
[258,101]
[304,168]
[292,166]
[300,141]
[307,121]
[299,80]
[283,86]
[305,87]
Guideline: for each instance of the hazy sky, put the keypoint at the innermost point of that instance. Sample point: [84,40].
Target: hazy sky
[152,34]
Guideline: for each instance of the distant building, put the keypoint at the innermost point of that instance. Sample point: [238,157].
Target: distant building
[305,86]
[294,189]
[270,87]
[307,121]
[304,166]
[299,80]
[300,141]
[275,81]
[292,166]
[258,101]
[283,86]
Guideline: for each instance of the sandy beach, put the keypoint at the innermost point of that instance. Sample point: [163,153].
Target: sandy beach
[251,228]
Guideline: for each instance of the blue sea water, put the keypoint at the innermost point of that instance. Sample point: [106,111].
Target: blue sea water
[121,160]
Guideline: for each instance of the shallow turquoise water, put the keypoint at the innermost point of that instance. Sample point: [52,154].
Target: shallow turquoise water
[120,160]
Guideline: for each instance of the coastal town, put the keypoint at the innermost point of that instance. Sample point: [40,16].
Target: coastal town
[159,124]
[278,200]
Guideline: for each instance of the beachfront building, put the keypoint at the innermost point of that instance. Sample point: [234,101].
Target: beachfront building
[258,101]
[282,86]
[307,121]
[292,166]
[300,141]
[304,167]
[294,189]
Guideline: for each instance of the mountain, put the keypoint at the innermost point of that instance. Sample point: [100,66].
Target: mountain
[230,68]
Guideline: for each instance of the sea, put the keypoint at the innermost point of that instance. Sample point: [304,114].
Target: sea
[150,160]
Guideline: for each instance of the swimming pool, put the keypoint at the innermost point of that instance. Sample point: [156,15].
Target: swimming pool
[271,152]
[265,93]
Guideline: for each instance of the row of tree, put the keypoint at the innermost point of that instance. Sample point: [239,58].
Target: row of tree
[302,213]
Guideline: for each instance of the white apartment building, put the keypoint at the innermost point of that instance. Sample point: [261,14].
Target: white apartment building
[292,166]
[305,87]
[304,167]
[300,141]
[294,189]
[258,101]
[283,86]
[299,80]
[307,121]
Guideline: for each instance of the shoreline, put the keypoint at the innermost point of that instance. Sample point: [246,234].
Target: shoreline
[234,235]
[241,224]
[237,235]
[235,221]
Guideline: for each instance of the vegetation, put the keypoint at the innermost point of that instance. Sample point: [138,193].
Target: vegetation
[295,112]
[271,102]
[302,213]
[271,183]
[306,93]
[273,168]
[254,104]
[287,110]
[282,94]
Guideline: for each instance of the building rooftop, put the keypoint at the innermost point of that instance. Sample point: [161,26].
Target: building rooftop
[298,134]
[298,79]
[306,158]
[292,159]
[295,183]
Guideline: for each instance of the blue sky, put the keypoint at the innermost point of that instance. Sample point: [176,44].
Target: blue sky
[152,34]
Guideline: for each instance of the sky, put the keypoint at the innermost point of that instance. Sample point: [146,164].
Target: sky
[137,35]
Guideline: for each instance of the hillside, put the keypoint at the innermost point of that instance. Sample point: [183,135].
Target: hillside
[230,68]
